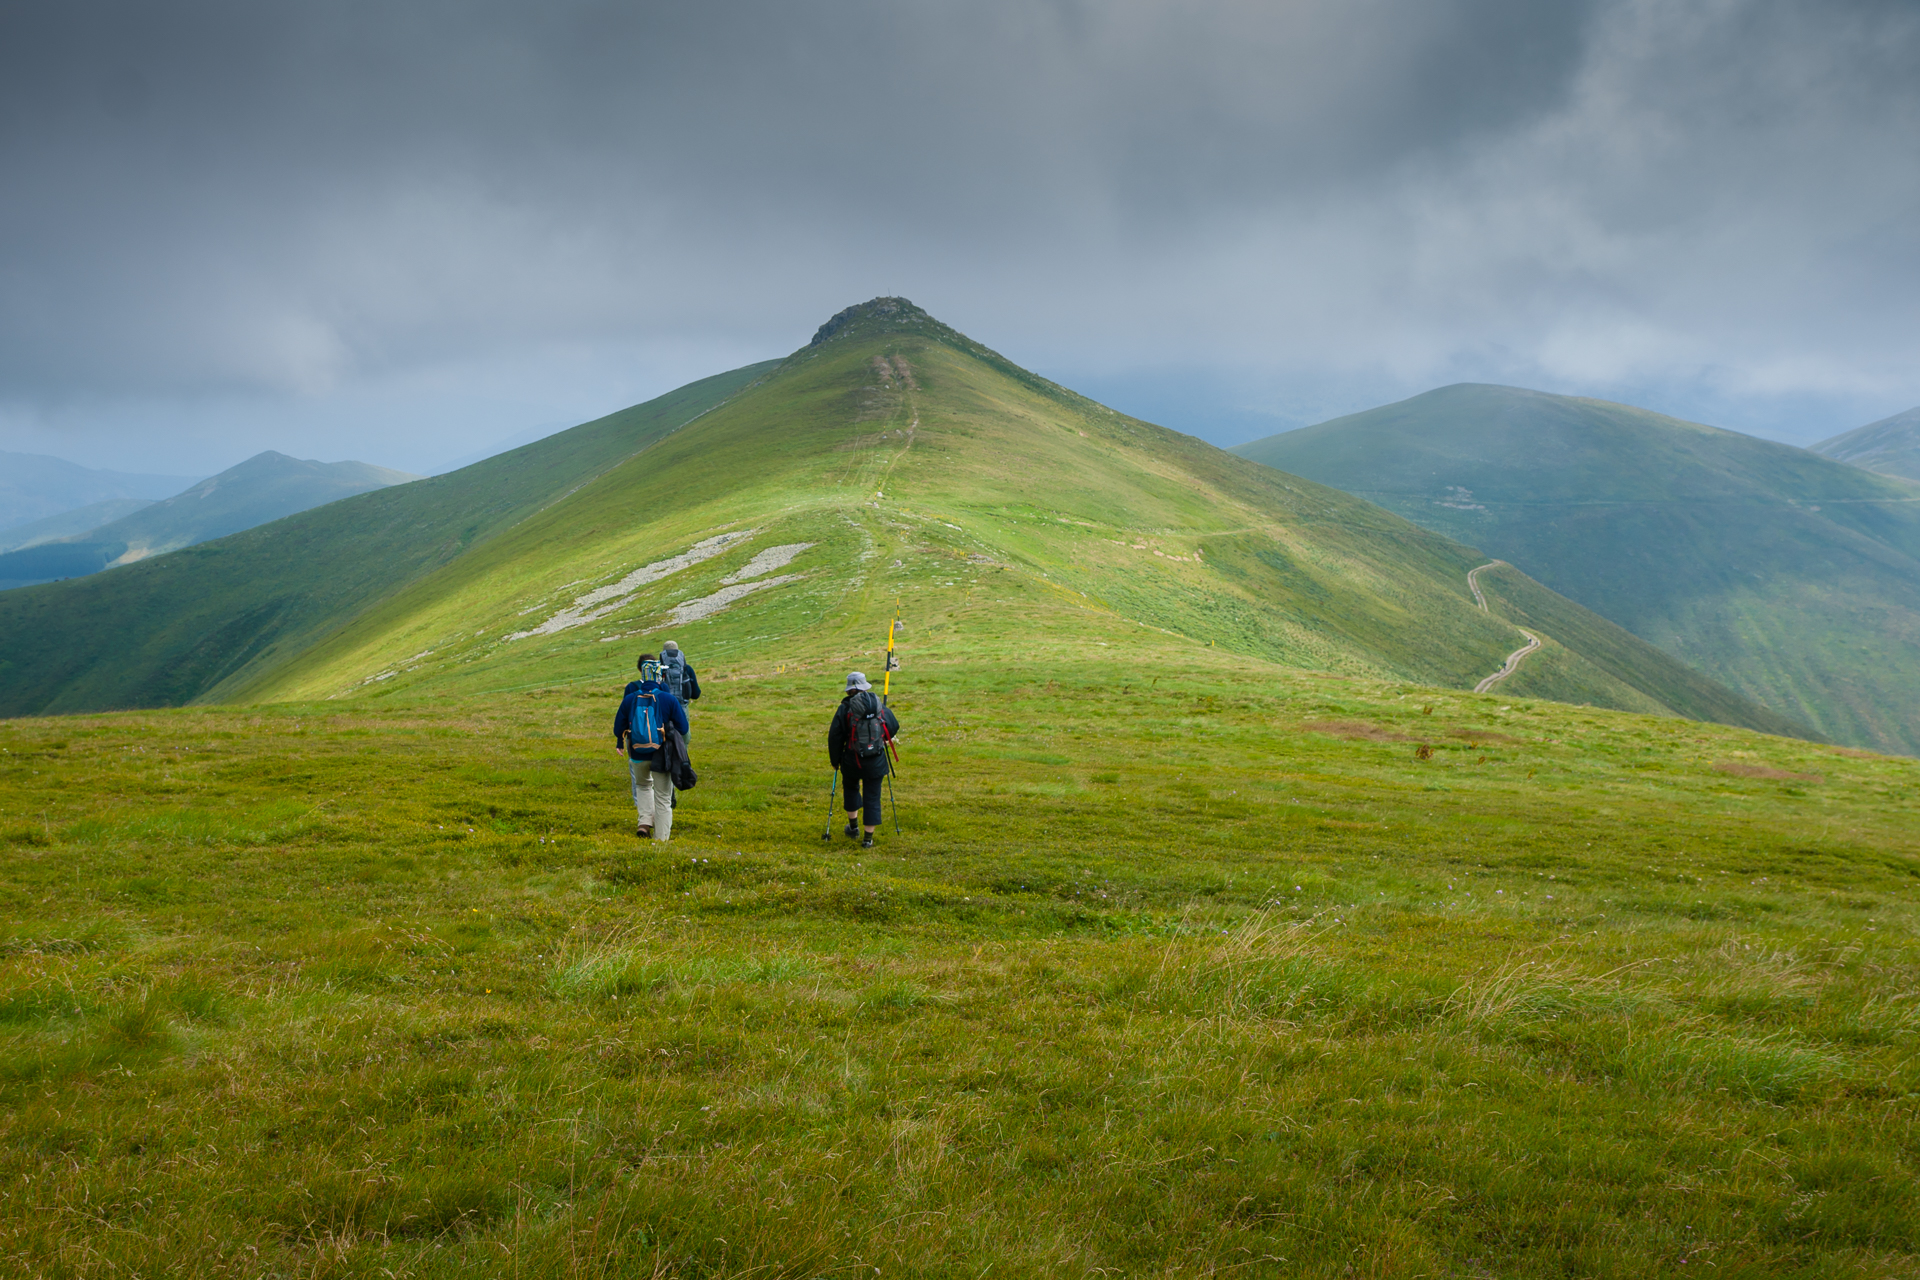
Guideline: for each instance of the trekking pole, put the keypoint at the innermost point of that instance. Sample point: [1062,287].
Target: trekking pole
[832,787]
[891,804]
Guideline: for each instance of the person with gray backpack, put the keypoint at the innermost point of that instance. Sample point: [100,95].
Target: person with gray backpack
[677,675]
[860,746]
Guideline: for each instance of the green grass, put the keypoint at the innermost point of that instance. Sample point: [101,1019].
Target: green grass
[1219,936]
[1788,578]
[1170,971]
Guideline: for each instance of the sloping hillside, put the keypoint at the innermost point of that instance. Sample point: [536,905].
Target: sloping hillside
[894,459]
[1890,446]
[174,628]
[1790,578]
[890,458]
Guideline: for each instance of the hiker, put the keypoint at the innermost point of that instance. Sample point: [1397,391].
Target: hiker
[858,743]
[646,712]
[679,678]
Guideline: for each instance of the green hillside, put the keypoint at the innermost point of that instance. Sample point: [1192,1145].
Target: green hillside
[907,459]
[1789,578]
[1890,446]
[194,623]
[889,448]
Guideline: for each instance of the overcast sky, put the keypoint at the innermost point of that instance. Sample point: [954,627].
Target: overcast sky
[404,230]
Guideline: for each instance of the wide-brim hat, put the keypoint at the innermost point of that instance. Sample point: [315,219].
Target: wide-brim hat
[857,680]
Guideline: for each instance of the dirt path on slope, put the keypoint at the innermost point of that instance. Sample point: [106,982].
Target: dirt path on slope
[1514,659]
[1512,663]
[1473,583]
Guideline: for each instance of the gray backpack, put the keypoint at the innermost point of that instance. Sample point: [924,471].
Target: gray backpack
[673,673]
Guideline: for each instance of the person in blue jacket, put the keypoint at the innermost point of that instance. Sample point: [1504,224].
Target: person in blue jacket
[639,727]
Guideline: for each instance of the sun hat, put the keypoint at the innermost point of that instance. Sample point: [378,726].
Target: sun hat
[857,680]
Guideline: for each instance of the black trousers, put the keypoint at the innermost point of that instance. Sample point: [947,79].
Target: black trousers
[861,780]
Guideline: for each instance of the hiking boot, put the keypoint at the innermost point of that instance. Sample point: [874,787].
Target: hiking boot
[644,833]
[867,842]
[853,829]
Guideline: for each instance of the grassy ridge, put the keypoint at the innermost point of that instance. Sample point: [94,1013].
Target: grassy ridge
[1178,966]
[204,621]
[1009,507]
[889,431]
[1788,578]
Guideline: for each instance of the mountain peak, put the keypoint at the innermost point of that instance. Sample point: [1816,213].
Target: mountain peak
[881,315]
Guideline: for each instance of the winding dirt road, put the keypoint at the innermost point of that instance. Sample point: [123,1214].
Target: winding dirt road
[1514,659]
[1513,662]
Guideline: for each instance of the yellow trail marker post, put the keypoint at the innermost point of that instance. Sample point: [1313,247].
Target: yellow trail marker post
[886,687]
[893,663]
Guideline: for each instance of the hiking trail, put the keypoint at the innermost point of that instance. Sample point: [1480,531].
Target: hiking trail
[1514,659]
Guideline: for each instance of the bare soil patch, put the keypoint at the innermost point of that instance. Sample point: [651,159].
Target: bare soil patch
[1737,769]
[1354,730]
[1474,736]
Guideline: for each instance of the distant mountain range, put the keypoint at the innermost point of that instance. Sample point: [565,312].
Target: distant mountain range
[70,524]
[1789,577]
[1890,446]
[265,487]
[34,486]
[777,510]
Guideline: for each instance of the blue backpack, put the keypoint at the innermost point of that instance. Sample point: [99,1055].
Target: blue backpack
[643,724]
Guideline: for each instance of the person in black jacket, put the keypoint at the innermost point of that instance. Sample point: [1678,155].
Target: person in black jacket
[859,751]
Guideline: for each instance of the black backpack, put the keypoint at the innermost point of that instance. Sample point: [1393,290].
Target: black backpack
[866,726]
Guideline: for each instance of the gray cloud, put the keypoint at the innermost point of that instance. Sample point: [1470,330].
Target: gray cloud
[253,212]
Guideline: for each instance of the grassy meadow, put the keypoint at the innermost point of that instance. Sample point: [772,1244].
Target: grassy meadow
[1179,965]
[1220,934]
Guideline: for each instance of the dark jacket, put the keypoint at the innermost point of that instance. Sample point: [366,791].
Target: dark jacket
[671,713]
[839,752]
[672,760]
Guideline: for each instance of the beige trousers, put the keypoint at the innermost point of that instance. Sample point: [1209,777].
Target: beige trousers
[652,797]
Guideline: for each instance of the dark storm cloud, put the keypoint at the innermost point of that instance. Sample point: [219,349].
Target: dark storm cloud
[211,197]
